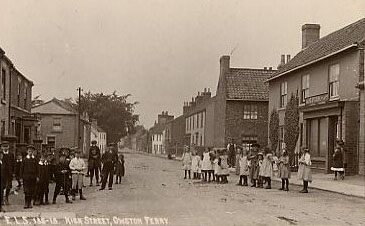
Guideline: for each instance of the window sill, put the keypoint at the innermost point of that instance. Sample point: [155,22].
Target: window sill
[334,98]
[56,131]
[281,109]
[3,101]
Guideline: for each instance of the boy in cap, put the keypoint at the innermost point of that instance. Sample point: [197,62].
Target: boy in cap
[62,175]
[44,175]
[29,173]
[77,165]
[7,171]
[94,162]
[109,159]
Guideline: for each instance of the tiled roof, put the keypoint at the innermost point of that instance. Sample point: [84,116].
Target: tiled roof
[248,84]
[158,128]
[329,44]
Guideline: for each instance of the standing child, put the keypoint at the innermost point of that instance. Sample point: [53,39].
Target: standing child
[186,161]
[223,162]
[207,165]
[304,170]
[338,163]
[29,173]
[43,184]
[119,169]
[267,170]
[284,170]
[243,165]
[195,165]
[77,166]
[217,167]
[18,163]
[260,169]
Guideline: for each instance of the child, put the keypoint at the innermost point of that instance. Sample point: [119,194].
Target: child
[186,161]
[207,165]
[223,162]
[62,174]
[211,158]
[304,170]
[29,173]
[119,169]
[77,165]
[267,168]
[260,183]
[217,167]
[243,165]
[195,165]
[43,184]
[338,163]
[275,167]
[284,171]
[18,163]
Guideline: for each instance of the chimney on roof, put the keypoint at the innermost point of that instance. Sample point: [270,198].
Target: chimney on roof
[265,68]
[288,58]
[270,68]
[310,34]
[282,61]
[224,65]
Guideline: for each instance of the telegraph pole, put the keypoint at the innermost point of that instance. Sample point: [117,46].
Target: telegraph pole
[79,120]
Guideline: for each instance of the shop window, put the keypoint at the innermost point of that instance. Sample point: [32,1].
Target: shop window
[334,83]
[247,141]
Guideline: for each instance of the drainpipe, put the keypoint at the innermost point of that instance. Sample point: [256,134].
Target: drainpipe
[11,69]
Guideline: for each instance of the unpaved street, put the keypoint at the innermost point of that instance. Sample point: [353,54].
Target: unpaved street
[154,187]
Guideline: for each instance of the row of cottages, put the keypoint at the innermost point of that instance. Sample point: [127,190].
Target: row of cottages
[157,134]
[59,125]
[326,76]
[17,124]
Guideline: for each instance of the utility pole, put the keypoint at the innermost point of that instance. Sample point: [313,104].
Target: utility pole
[79,120]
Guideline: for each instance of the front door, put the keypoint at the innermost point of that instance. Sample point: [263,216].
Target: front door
[332,136]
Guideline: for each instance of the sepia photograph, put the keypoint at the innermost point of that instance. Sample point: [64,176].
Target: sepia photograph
[182,112]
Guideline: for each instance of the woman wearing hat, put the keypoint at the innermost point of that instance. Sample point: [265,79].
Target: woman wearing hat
[304,170]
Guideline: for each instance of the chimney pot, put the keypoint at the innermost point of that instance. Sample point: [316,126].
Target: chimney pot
[270,68]
[265,68]
[310,34]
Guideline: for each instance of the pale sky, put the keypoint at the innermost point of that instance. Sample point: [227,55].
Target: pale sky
[161,51]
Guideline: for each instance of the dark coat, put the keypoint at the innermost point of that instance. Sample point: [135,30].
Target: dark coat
[94,157]
[109,159]
[29,168]
[8,166]
[43,172]
[119,168]
[338,159]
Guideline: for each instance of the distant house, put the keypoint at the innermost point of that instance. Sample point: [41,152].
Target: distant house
[324,75]
[98,134]
[199,120]
[157,133]
[16,119]
[241,105]
[174,136]
[59,125]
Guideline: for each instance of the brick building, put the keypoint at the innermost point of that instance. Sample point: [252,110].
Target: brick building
[16,119]
[241,105]
[324,75]
[59,125]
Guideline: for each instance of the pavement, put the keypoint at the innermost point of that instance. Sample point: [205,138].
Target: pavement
[153,192]
[351,185]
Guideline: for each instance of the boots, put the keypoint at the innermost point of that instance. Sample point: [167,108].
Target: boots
[54,199]
[46,199]
[68,200]
[287,185]
[26,205]
[282,185]
[305,187]
[73,194]
[240,181]
[268,179]
[6,200]
[253,183]
[81,196]
[245,181]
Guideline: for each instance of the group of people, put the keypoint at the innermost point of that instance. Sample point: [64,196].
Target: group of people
[255,165]
[35,171]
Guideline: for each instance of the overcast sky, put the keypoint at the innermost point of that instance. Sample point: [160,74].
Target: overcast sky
[161,52]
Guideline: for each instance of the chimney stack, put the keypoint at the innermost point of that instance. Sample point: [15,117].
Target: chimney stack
[265,68]
[310,34]
[288,58]
[224,65]
[282,61]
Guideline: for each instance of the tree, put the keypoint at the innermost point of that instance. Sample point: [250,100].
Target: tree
[274,129]
[291,126]
[113,113]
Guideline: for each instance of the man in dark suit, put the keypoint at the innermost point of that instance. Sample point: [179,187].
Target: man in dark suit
[94,162]
[109,159]
[7,171]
